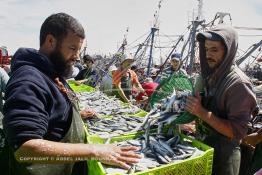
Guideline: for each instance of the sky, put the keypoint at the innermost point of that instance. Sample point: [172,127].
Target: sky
[106,21]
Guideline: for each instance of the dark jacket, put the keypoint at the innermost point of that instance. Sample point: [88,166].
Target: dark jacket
[34,107]
[228,85]
[90,74]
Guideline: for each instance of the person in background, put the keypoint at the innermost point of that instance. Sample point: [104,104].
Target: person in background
[88,75]
[176,64]
[125,81]
[149,87]
[4,77]
[76,69]
[7,68]
[226,104]
[78,64]
[173,68]
[42,125]
[106,83]
[134,68]
[140,72]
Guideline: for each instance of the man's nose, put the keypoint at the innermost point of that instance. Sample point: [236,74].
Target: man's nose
[76,55]
[208,54]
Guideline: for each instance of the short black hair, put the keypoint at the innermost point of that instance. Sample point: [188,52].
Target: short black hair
[134,67]
[88,58]
[59,25]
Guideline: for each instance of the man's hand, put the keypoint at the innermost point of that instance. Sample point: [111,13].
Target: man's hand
[193,105]
[87,113]
[140,89]
[252,139]
[112,154]
[79,82]
[189,127]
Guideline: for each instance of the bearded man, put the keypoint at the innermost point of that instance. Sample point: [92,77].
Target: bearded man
[41,122]
[228,101]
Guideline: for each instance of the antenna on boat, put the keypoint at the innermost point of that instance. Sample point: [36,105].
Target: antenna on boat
[200,9]
[195,24]
[152,33]
[156,15]
[124,43]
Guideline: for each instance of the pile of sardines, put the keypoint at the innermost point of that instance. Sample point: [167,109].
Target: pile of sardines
[104,105]
[157,150]
[112,126]
[114,117]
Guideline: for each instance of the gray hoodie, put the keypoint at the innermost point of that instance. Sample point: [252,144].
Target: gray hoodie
[229,87]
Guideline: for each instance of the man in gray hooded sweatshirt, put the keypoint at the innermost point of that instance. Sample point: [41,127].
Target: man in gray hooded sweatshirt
[226,106]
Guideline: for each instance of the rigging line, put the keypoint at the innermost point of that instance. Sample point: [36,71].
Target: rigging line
[210,23]
[256,56]
[250,47]
[169,35]
[159,43]
[247,28]
[183,34]
[249,35]
[137,39]
[167,42]
[163,47]
[241,50]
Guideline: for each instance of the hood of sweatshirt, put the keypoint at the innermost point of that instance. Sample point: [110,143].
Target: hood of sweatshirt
[229,37]
[32,57]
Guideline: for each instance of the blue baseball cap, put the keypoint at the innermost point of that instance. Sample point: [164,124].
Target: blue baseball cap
[176,56]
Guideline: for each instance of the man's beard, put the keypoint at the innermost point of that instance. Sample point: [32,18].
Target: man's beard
[62,67]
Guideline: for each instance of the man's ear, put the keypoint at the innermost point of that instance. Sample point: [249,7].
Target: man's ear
[51,41]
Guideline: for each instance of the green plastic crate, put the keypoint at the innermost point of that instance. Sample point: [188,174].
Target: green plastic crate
[81,87]
[201,165]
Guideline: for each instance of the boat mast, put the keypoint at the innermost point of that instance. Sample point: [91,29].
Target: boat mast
[122,48]
[152,33]
[195,24]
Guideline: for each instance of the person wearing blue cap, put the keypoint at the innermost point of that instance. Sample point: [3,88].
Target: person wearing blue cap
[176,64]
[174,67]
[227,102]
